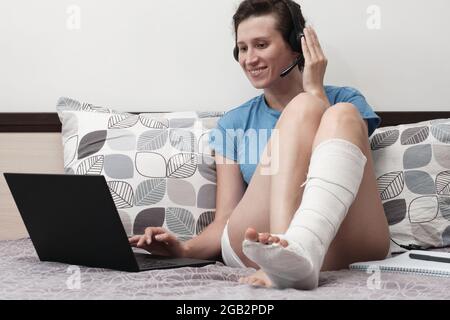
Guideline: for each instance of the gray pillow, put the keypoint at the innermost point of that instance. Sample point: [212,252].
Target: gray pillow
[412,166]
[158,166]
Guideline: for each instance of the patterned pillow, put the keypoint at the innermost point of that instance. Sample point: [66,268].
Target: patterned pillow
[412,166]
[158,166]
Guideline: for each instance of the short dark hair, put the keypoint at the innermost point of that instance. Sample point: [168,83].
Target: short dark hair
[257,8]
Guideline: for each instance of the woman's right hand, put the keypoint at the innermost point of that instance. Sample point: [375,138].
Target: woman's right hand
[159,241]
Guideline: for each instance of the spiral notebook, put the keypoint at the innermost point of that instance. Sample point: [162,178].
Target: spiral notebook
[414,261]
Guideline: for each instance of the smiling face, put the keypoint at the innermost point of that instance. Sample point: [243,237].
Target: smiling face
[263,53]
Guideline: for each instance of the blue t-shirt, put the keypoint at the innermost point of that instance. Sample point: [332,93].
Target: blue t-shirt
[243,132]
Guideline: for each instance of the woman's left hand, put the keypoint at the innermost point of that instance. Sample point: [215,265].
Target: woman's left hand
[315,63]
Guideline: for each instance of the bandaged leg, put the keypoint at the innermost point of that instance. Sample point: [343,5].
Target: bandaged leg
[334,176]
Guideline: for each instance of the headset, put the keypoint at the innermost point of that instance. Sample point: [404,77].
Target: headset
[294,37]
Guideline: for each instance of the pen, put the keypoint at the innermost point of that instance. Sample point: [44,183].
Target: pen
[428,258]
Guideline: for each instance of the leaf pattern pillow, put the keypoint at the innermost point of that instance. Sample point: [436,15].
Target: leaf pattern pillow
[158,166]
[412,166]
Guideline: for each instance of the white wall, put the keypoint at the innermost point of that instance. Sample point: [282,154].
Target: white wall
[148,55]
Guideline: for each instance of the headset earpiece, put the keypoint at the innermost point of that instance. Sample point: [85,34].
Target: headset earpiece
[294,42]
[236,53]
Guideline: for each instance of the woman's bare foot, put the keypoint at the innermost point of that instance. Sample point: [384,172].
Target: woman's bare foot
[259,278]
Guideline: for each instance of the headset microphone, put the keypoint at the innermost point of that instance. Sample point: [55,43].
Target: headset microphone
[291,67]
[296,62]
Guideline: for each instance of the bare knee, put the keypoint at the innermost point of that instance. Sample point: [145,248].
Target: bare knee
[305,107]
[345,115]
[343,111]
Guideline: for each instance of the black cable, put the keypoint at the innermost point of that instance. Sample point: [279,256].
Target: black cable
[409,246]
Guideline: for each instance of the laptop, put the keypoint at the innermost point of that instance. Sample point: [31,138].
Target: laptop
[73,219]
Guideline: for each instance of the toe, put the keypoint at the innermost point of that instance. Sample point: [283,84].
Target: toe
[260,283]
[284,243]
[243,280]
[264,237]
[251,235]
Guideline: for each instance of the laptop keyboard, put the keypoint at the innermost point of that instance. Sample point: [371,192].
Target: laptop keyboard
[147,262]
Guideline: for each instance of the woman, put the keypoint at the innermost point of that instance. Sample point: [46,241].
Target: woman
[310,202]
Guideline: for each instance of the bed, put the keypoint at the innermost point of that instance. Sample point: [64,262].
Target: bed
[32,143]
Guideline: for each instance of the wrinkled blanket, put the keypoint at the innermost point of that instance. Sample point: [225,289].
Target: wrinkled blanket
[23,276]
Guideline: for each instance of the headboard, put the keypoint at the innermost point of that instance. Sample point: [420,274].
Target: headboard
[31,142]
